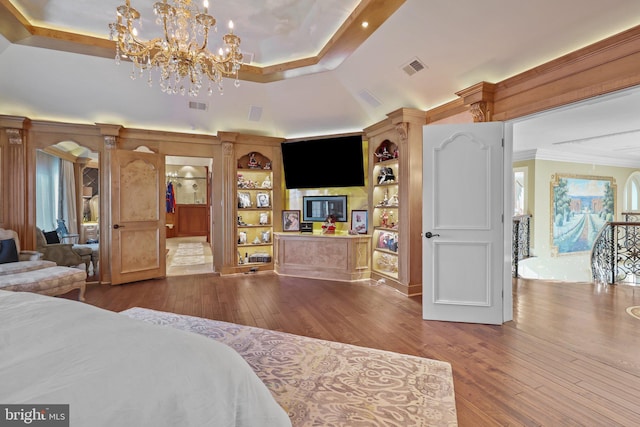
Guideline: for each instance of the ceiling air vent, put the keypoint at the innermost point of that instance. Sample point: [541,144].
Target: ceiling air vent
[368,97]
[247,57]
[197,106]
[413,66]
[255,113]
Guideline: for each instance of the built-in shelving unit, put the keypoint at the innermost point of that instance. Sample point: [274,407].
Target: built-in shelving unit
[395,176]
[254,226]
[386,204]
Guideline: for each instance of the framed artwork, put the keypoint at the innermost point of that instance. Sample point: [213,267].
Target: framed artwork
[580,206]
[263,200]
[318,208]
[291,220]
[360,221]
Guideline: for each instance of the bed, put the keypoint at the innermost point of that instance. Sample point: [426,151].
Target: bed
[116,371]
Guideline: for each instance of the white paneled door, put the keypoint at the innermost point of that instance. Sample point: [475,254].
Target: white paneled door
[464,261]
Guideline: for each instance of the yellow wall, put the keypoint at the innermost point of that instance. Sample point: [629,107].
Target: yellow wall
[357,197]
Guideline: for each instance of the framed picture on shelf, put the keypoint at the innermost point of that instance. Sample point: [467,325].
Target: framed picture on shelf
[360,221]
[244,200]
[262,200]
[291,220]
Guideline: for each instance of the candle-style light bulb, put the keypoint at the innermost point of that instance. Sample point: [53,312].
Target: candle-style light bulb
[206,6]
[231,27]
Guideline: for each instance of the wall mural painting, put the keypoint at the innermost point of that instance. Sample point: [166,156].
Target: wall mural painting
[580,206]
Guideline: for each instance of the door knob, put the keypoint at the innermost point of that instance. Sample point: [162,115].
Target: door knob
[116,226]
[429,235]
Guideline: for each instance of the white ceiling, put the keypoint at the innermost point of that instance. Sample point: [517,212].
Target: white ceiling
[461,42]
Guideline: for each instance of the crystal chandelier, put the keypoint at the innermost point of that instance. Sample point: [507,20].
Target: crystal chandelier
[181,55]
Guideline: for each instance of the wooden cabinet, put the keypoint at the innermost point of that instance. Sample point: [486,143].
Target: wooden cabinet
[254,227]
[395,176]
[341,257]
[191,220]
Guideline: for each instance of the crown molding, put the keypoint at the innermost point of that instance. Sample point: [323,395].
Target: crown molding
[16,28]
[562,156]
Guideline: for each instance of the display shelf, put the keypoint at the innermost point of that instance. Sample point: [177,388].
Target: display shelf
[254,226]
[395,197]
[386,204]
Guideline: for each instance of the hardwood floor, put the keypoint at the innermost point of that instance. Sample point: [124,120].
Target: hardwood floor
[571,357]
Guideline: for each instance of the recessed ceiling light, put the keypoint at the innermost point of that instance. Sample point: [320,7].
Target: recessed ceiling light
[365,24]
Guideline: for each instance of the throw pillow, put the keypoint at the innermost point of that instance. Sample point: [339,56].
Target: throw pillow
[8,251]
[51,237]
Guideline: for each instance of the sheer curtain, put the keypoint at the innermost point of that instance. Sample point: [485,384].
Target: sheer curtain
[69,211]
[47,190]
[55,193]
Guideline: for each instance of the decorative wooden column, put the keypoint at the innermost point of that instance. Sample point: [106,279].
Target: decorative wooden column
[14,179]
[228,201]
[479,99]
[110,135]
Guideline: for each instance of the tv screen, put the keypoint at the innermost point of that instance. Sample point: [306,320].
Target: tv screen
[320,163]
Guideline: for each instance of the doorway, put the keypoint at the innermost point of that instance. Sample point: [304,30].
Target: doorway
[597,138]
[67,206]
[188,215]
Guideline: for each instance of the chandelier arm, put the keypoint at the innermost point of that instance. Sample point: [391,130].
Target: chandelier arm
[145,48]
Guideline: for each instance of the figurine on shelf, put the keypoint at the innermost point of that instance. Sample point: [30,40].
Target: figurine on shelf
[267,166]
[267,182]
[386,175]
[253,163]
[384,155]
[393,201]
[329,225]
[384,218]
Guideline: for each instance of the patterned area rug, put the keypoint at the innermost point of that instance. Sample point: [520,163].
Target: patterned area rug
[188,254]
[325,383]
[634,311]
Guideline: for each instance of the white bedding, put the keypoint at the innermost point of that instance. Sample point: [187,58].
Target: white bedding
[117,371]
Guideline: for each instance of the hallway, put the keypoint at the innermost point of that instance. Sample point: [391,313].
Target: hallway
[189,255]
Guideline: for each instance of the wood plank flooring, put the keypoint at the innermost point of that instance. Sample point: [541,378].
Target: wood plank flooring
[571,357]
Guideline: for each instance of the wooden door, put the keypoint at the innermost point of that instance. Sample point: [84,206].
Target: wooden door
[464,235]
[138,229]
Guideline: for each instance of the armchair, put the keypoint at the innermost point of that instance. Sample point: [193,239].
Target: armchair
[66,254]
[22,254]
[63,233]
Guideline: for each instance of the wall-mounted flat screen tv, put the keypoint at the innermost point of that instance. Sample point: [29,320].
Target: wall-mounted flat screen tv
[321,163]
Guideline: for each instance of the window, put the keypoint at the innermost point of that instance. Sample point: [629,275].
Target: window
[632,193]
[519,191]
[47,190]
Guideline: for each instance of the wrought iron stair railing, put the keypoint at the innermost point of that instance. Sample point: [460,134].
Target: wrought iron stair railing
[520,241]
[615,256]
